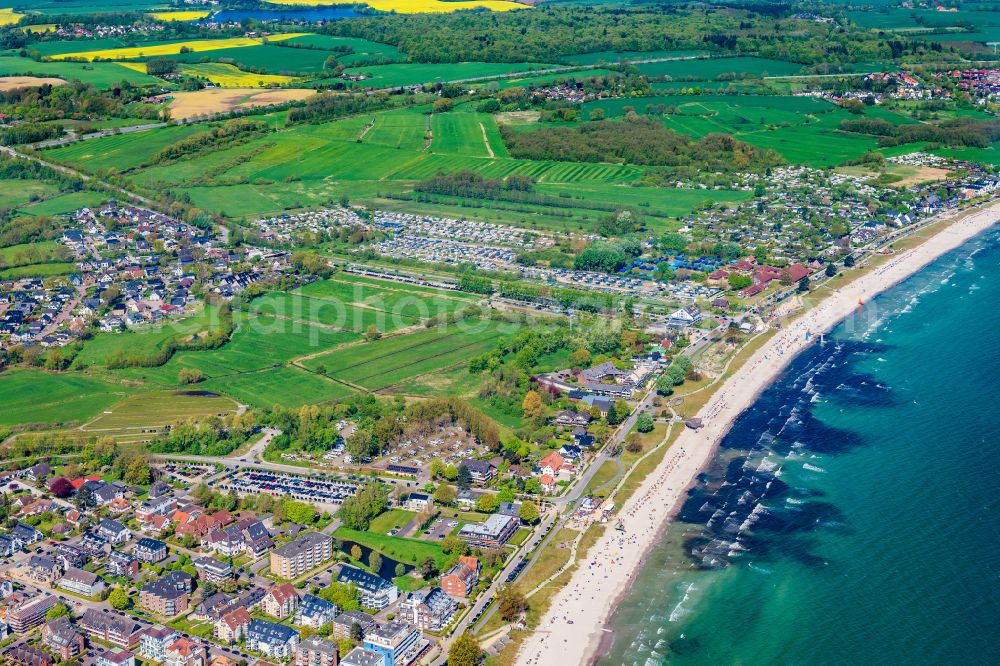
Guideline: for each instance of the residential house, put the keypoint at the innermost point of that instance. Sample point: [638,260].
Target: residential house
[150,551]
[570,418]
[62,638]
[70,556]
[30,612]
[95,544]
[344,623]
[459,581]
[43,569]
[689,315]
[213,570]
[376,592]
[301,555]
[362,657]
[113,531]
[122,565]
[116,658]
[227,542]
[256,538]
[273,640]
[168,595]
[232,626]
[493,532]
[481,470]
[122,631]
[316,651]
[396,642]
[281,601]
[25,655]
[428,610]
[418,502]
[82,582]
[25,535]
[185,652]
[153,643]
[553,464]
[314,612]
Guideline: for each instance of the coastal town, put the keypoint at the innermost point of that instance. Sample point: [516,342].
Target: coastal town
[487,333]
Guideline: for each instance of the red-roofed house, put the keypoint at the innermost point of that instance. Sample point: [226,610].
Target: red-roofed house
[281,600]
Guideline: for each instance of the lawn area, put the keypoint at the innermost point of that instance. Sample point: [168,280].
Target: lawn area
[128,418]
[553,557]
[35,396]
[604,474]
[383,363]
[390,520]
[409,551]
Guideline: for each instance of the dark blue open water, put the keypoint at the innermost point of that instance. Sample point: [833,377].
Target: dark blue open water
[852,515]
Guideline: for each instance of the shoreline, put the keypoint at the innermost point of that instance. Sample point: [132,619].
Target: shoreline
[576,628]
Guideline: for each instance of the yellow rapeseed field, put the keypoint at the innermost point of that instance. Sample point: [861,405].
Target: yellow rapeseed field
[129,53]
[413,6]
[9,16]
[40,27]
[193,15]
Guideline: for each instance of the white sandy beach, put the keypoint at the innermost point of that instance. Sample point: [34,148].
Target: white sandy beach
[601,579]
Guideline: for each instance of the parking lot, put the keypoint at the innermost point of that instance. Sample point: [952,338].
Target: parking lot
[308,488]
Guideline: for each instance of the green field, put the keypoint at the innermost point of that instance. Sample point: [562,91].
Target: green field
[364,50]
[133,418]
[34,396]
[409,74]
[267,57]
[16,191]
[803,130]
[123,151]
[409,551]
[612,57]
[708,69]
[391,519]
[65,203]
[381,364]
[28,253]
[43,270]
[100,74]
[145,340]
[266,388]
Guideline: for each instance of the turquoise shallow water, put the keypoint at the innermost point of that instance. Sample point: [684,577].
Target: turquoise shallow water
[873,460]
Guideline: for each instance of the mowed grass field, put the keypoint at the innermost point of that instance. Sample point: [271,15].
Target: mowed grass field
[35,396]
[138,417]
[383,363]
[154,49]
